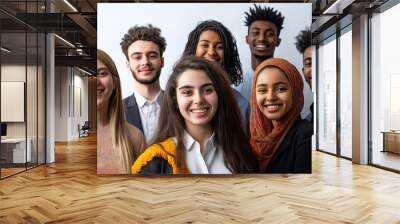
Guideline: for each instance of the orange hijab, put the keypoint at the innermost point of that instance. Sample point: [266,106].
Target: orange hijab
[264,138]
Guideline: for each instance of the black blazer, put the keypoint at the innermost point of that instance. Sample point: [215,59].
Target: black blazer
[132,113]
[157,166]
[294,153]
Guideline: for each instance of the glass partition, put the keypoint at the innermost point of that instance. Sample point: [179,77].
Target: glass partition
[327,96]
[385,89]
[346,92]
[22,88]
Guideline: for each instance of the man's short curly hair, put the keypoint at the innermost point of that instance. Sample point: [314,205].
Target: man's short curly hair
[266,14]
[146,33]
[303,40]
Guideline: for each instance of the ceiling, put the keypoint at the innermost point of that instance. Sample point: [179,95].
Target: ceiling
[75,21]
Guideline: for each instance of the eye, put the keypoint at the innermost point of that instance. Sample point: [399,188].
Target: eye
[281,89]
[204,45]
[136,57]
[255,33]
[186,92]
[153,56]
[103,73]
[208,90]
[220,47]
[270,34]
[262,90]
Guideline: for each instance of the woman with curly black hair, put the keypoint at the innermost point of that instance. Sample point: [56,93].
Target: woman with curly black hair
[213,41]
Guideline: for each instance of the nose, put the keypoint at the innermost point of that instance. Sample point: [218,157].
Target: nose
[262,37]
[212,51]
[197,97]
[271,96]
[145,60]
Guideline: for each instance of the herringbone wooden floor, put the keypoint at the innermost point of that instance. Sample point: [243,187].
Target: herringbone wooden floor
[69,191]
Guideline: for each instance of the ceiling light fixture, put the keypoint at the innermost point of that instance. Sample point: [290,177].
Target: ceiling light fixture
[84,71]
[70,5]
[337,7]
[5,49]
[65,41]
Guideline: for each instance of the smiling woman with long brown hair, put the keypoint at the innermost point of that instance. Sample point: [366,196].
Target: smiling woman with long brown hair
[199,130]
[118,143]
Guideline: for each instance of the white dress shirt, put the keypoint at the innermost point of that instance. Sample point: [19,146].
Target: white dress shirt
[210,161]
[149,112]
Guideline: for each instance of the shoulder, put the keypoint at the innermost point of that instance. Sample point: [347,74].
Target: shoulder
[129,101]
[302,129]
[137,136]
[134,131]
[165,150]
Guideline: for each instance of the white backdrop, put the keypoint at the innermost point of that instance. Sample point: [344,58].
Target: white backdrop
[176,20]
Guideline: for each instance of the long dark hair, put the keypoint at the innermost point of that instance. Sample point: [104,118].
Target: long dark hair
[228,130]
[231,62]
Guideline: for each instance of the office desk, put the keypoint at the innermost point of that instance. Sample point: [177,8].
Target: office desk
[13,150]
[391,141]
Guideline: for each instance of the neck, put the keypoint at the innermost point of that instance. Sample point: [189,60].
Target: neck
[200,134]
[102,117]
[275,123]
[255,61]
[148,91]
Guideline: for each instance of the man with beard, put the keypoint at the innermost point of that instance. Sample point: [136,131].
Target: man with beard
[264,26]
[143,47]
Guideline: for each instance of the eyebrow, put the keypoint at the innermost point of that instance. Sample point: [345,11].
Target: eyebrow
[101,69]
[140,53]
[192,87]
[202,40]
[257,28]
[278,83]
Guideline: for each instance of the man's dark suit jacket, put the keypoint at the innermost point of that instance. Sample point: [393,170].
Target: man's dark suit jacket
[132,113]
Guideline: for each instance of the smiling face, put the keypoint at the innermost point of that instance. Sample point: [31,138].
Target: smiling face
[197,99]
[262,39]
[307,65]
[210,47]
[105,84]
[145,61]
[273,94]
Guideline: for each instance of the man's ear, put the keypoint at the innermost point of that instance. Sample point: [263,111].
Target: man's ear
[247,39]
[162,62]
[127,65]
[279,41]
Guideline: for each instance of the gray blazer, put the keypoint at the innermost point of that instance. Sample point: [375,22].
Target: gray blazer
[132,113]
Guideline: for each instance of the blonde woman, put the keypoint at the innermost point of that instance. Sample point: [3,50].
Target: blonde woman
[118,143]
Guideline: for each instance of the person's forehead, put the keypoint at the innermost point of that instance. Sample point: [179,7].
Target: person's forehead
[143,46]
[263,24]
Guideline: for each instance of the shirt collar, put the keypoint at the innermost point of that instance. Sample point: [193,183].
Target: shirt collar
[188,141]
[141,101]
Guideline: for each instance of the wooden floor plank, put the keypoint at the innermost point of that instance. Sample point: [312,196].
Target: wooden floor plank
[70,191]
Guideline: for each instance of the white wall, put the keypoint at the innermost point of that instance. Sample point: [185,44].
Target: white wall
[69,85]
[176,20]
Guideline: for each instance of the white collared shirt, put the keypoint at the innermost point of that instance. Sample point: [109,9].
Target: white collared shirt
[149,113]
[211,161]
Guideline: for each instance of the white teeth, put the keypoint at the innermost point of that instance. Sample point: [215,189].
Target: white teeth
[273,107]
[260,46]
[199,110]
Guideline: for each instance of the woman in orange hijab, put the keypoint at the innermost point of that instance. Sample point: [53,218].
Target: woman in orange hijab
[280,139]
